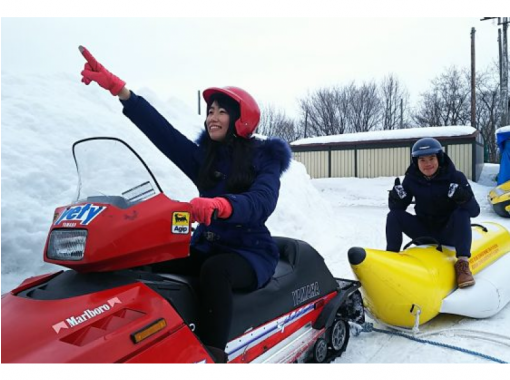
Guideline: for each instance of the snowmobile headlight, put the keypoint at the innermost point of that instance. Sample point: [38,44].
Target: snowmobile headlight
[67,245]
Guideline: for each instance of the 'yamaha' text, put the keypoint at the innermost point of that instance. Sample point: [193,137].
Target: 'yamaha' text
[305,293]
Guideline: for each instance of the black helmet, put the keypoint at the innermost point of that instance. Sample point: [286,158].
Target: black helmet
[427,147]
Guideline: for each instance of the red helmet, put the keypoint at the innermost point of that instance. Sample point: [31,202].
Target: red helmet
[249,109]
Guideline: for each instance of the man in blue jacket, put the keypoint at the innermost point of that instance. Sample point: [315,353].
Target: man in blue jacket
[444,206]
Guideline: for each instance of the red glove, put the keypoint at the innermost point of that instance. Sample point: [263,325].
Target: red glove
[203,208]
[94,71]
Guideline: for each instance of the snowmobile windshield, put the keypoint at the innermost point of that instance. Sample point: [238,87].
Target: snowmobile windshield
[110,171]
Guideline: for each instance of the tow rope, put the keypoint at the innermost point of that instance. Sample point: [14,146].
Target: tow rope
[369,327]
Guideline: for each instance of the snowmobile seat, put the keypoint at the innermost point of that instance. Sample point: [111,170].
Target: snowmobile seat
[182,292]
[287,259]
[300,277]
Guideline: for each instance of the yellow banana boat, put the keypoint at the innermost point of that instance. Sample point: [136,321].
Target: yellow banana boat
[410,288]
[499,197]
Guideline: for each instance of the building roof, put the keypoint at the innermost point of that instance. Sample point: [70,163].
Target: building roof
[398,135]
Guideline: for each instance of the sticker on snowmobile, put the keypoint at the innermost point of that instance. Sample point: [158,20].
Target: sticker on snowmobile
[240,345]
[305,293]
[180,222]
[75,320]
[83,214]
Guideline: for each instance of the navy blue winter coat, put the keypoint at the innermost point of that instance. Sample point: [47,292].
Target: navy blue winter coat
[433,206]
[244,232]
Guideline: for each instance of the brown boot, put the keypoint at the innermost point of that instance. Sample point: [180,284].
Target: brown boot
[464,276]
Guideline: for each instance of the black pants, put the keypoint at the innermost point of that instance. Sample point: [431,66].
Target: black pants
[456,232]
[219,275]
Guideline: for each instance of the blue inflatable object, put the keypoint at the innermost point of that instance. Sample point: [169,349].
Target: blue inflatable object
[503,140]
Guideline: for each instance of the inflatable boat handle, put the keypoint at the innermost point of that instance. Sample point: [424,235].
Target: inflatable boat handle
[484,229]
[424,240]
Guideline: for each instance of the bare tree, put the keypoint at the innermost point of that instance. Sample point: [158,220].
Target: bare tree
[276,123]
[429,112]
[448,102]
[354,108]
[487,116]
[365,108]
[322,112]
[455,92]
[395,100]
[343,96]
[337,110]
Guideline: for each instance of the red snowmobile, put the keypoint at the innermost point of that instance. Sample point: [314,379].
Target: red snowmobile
[112,306]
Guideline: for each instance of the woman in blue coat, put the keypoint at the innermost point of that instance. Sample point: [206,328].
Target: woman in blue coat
[237,175]
[444,206]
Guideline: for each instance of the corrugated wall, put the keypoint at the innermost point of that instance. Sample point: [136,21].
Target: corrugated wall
[316,163]
[343,163]
[462,157]
[383,162]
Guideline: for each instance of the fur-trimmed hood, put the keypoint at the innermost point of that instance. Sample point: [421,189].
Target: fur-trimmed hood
[273,148]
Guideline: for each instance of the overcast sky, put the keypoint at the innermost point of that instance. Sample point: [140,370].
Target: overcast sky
[278,60]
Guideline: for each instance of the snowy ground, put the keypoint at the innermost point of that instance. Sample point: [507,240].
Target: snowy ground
[331,214]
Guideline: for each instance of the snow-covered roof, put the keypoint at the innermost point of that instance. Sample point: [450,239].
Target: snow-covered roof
[503,129]
[398,134]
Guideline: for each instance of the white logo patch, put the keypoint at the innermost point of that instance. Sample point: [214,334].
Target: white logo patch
[88,314]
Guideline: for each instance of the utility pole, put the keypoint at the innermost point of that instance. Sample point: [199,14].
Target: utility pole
[306,121]
[504,75]
[503,69]
[199,102]
[473,79]
[500,56]
[401,113]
